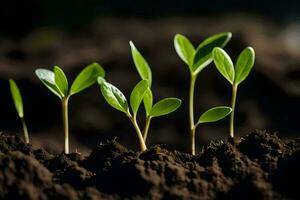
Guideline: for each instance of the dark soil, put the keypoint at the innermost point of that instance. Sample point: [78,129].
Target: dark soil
[259,166]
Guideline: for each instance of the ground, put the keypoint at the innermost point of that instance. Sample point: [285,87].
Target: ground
[258,166]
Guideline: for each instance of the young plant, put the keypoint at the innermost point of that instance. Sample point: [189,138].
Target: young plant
[116,99]
[235,75]
[56,81]
[162,107]
[197,59]
[17,98]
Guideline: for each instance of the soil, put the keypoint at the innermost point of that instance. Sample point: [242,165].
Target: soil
[258,166]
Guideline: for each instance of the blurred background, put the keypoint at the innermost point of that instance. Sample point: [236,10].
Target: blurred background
[72,34]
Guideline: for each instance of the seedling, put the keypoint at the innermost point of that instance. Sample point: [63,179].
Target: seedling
[197,60]
[17,98]
[235,75]
[164,106]
[116,99]
[56,81]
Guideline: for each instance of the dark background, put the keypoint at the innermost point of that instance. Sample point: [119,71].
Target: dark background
[72,34]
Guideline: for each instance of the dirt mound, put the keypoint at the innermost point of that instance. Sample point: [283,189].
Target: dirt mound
[259,166]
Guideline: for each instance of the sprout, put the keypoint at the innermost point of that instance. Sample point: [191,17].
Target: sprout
[235,75]
[197,60]
[162,107]
[56,81]
[17,98]
[116,99]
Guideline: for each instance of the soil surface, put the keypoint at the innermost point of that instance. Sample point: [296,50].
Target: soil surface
[259,166]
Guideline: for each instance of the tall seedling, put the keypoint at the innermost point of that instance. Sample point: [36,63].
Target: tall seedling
[56,81]
[162,107]
[235,75]
[197,60]
[18,101]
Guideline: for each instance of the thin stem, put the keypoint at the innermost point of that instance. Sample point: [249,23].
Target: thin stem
[138,131]
[25,130]
[66,122]
[191,112]
[193,146]
[233,100]
[146,129]
[191,101]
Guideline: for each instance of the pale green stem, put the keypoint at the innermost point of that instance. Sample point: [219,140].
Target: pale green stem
[193,145]
[66,122]
[233,100]
[25,130]
[143,146]
[191,113]
[146,129]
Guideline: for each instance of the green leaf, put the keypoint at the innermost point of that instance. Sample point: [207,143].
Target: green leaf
[214,114]
[87,77]
[137,95]
[244,64]
[141,64]
[165,106]
[113,96]
[61,80]
[148,101]
[203,56]
[224,64]
[184,49]
[17,98]
[48,79]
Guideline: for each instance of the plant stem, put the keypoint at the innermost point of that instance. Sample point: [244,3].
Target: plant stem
[192,135]
[233,100]
[146,129]
[138,131]
[191,112]
[25,130]
[66,122]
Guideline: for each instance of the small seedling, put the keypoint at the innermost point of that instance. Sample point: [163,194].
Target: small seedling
[164,106]
[235,75]
[56,81]
[197,60]
[116,99]
[18,101]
